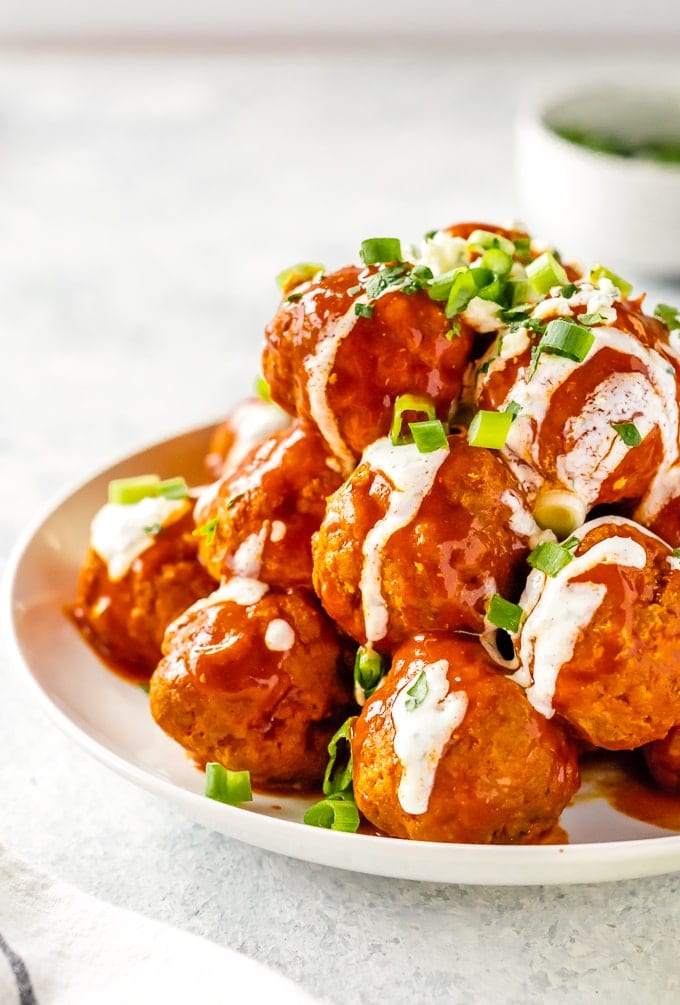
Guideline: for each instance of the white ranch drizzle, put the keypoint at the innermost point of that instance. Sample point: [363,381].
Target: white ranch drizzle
[421,733]
[319,366]
[279,636]
[246,561]
[256,420]
[120,533]
[278,531]
[412,475]
[558,610]
[521,521]
[237,590]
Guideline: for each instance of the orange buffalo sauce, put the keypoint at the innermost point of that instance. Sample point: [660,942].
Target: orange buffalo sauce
[623,781]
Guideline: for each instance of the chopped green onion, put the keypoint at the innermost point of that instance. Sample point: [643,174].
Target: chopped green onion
[500,262]
[628,432]
[409,403]
[152,529]
[463,289]
[440,287]
[560,511]
[232,500]
[523,249]
[482,276]
[144,687]
[262,390]
[127,491]
[504,614]
[669,315]
[591,319]
[368,670]
[482,240]
[513,408]
[549,557]
[494,291]
[599,271]
[569,290]
[353,291]
[338,774]
[337,813]
[490,429]
[207,530]
[564,338]
[227,786]
[293,298]
[545,272]
[173,488]
[518,291]
[380,249]
[429,436]
[297,274]
[429,235]
[417,693]
[363,310]
[676,552]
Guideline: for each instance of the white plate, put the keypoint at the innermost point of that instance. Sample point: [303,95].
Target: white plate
[109,718]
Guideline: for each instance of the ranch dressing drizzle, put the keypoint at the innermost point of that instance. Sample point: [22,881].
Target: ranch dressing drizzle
[256,421]
[318,366]
[238,590]
[120,533]
[279,636]
[421,733]
[412,475]
[559,610]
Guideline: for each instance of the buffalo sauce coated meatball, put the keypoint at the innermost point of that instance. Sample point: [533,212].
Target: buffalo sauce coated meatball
[600,641]
[343,372]
[447,749]
[253,679]
[247,425]
[663,760]
[260,518]
[420,541]
[140,573]
[604,428]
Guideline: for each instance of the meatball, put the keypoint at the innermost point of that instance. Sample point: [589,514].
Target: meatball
[576,419]
[663,760]
[420,542]
[258,521]
[600,640]
[253,679]
[140,573]
[321,358]
[246,426]
[447,749]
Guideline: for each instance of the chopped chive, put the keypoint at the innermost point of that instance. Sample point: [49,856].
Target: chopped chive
[490,429]
[363,310]
[545,272]
[409,403]
[227,786]
[599,271]
[628,432]
[549,557]
[153,529]
[293,298]
[380,249]
[338,774]
[669,315]
[564,338]
[482,240]
[127,491]
[368,670]
[297,274]
[262,390]
[417,693]
[207,530]
[463,289]
[429,436]
[504,614]
[336,813]
[173,488]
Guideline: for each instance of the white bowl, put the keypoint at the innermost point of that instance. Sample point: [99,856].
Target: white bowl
[602,207]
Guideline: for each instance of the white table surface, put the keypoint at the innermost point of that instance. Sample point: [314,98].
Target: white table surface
[146,202]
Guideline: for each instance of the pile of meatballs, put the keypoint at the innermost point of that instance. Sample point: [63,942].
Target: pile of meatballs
[519,593]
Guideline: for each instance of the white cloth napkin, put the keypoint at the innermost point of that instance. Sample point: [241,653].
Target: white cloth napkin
[59,946]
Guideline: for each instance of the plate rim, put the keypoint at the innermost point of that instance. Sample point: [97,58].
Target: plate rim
[438,862]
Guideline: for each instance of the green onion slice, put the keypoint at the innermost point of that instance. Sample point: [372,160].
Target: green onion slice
[463,289]
[173,488]
[409,403]
[564,338]
[368,670]
[363,310]
[127,491]
[429,436]
[227,786]
[380,249]
[499,261]
[513,408]
[297,274]
[440,287]
[417,693]
[482,276]
[676,552]
[599,271]
[549,557]
[628,432]
[262,390]
[545,272]
[523,249]
[482,240]
[591,319]
[504,614]
[490,429]
[337,813]
[669,315]
[208,530]
[338,774]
